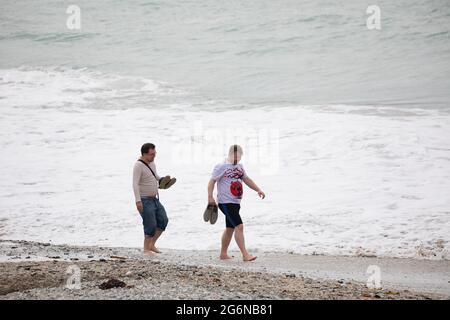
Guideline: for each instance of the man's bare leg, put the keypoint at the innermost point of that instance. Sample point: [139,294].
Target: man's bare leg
[155,238]
[148,240]
[239,237]
[226,239]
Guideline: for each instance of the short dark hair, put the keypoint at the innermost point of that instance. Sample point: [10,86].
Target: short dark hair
[146,147]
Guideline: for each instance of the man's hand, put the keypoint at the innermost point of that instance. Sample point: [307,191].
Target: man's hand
[261,194]
[252,185]
[211,200]
[139,206]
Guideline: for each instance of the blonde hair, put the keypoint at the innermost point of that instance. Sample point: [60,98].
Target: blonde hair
[235,148]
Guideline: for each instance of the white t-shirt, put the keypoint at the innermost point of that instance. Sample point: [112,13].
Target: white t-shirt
[229,182]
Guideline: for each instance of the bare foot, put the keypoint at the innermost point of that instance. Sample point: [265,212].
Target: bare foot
[249,258]
[225,257]
[155,249]
[148,253]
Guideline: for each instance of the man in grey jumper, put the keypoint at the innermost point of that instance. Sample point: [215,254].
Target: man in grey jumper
[146,182]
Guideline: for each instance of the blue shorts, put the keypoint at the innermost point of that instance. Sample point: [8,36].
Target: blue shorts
[153,216]
[231,212]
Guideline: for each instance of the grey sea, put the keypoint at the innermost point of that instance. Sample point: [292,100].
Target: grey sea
[346,128]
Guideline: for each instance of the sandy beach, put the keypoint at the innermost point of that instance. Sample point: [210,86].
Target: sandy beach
[341,111]
[31,270]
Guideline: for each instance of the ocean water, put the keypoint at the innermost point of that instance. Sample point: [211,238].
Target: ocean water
[346,129]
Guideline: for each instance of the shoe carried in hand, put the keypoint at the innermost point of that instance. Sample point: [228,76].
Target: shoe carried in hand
[166,182]
[211,213]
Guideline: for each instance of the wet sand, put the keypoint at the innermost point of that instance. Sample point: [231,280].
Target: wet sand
[32,270]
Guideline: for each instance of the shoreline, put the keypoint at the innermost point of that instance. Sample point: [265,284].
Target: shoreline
[31,270]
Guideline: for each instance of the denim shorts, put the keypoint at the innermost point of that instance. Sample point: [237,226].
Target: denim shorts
[153,216]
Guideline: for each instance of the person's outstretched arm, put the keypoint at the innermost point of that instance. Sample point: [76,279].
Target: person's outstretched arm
[252,185]
[211,184]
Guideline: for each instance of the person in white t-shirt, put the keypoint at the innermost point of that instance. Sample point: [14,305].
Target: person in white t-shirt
[229,176]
